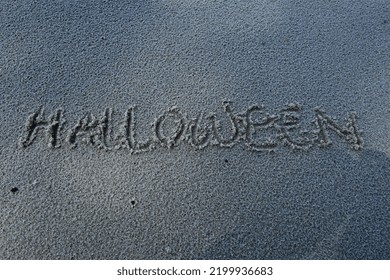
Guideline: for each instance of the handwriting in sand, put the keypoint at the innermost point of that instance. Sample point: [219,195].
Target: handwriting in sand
[256,128]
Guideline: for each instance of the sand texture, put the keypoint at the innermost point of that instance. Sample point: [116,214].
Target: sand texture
[195,129]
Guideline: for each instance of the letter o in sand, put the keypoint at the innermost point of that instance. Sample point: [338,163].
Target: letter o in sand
[172,139]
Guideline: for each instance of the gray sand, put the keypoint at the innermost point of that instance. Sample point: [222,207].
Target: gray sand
[84,84]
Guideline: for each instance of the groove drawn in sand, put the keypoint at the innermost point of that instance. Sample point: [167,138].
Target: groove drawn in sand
[259,130]
[53,126]
[91,130]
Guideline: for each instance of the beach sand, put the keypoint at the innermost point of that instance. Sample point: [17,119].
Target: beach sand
[268,127]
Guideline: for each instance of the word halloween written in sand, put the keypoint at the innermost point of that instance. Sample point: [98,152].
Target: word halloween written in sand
[257,129]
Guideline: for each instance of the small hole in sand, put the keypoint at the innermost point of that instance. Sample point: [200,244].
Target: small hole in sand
[133,202]
[14,190]
[226,161]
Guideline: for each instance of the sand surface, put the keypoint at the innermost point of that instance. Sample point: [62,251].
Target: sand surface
[195,129]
